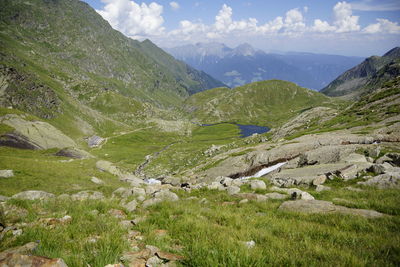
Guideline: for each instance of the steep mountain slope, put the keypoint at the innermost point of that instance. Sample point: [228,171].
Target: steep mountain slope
[244,64]
[351,84]
[60,60]
[265,103]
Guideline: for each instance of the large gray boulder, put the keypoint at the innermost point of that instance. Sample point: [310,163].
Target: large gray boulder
[15,259]
[6,173]
[33,134]
[95,141]
[166,195]
[231,190]
[33,195]
[109,167]
[320,206]
[384,181]
[257,184]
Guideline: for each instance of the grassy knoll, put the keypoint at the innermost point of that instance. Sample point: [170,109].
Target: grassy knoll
[41,170]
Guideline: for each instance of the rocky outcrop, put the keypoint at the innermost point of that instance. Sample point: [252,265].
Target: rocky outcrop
[6,173]
[33,195]
[384,181]
[33,134]
[319,206]
[15,259]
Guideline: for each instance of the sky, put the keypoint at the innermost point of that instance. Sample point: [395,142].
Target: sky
[358,27]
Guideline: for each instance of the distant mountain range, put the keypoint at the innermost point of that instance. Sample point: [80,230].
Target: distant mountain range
[244,64]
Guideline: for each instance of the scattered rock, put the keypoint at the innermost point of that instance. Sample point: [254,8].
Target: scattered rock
[165,195]
[95,141]
[216,186]
[151,202]
[28,248]
[349,172]
[3,198]
[96,180]
[131,206]
[52,222]
[119,214]
[15,259]
[384,181]
[250,244]
[154,262]
[252,196]
[17,232]
[233,190]
[319,180]
[258,184]
[83,195]
[169,256]
[320,206]
[132,180]
[33,195]
[243,201]
[6,173]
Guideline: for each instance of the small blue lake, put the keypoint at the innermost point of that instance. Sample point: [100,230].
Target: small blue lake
[246,130]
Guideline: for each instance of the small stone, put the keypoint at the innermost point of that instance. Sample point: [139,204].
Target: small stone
[126,223]
[166,195]
[258,184]
[17,232]
[319,180]
[153,249]
[151,202]
[6,173]
[131,206]
[115,265]
[119,214]
[15,259]
[203,201]
[243,201]
[169,256]
[154,262]
[83,195]
[233,190]
[250,244]
[96,180]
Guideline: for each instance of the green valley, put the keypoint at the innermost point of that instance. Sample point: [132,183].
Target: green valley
[113,153]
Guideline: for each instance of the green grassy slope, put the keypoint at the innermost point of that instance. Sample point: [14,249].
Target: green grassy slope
[265,103]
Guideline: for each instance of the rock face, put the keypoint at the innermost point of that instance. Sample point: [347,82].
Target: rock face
[320,206]
[383,181]
[33,134]
[33,195]
[6,173]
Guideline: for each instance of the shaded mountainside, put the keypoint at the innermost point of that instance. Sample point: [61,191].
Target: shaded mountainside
[355,81]
[265,103]
[244,64]
[77,46]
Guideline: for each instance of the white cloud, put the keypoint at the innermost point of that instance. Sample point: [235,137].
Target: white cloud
[294,21]
[174,5]
[132,19]
[376,5]
[383,26]
[344,20]
[322,26]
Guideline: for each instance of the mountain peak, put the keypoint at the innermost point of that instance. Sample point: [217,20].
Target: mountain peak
[244,49]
